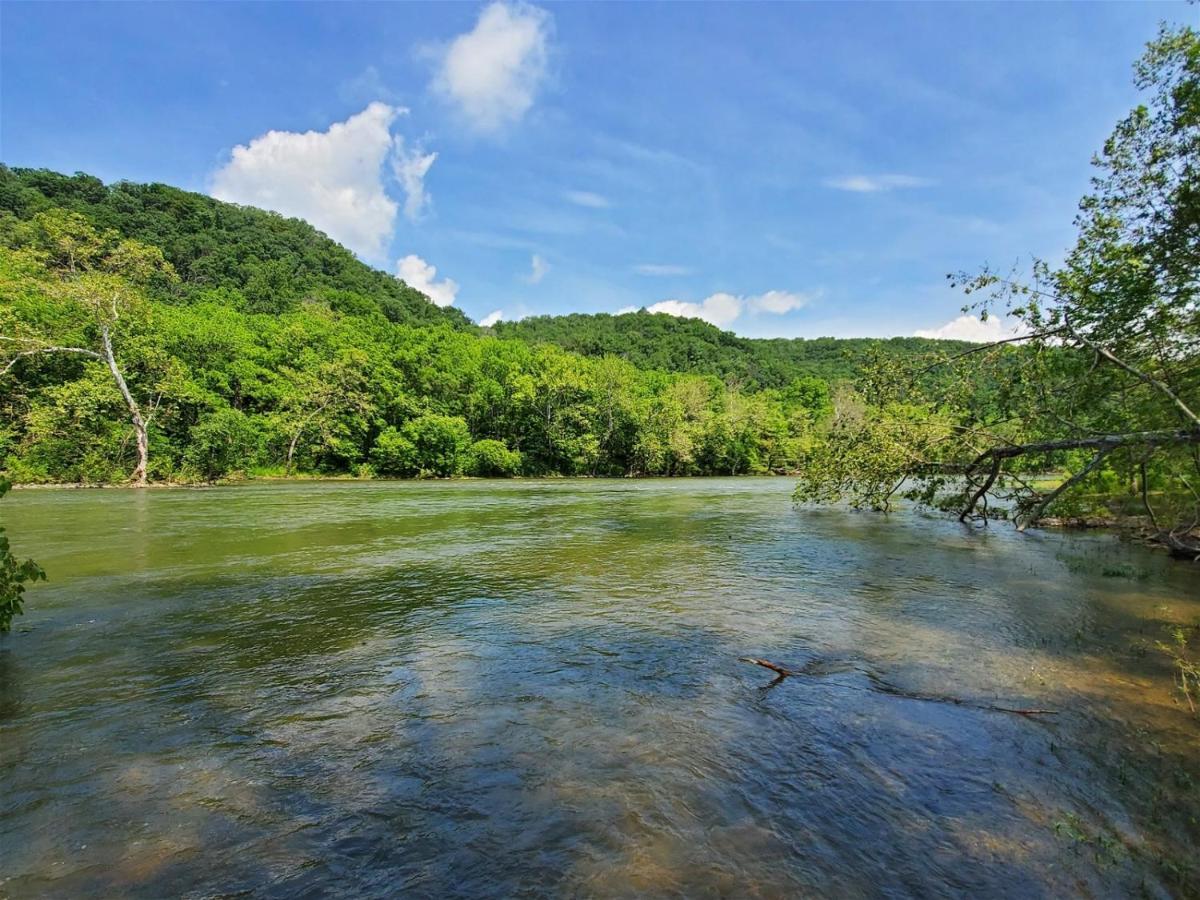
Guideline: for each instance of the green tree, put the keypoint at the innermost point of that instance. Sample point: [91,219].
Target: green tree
[98,278]
[490,458]
[1106,384]
[223,441]
[427,445]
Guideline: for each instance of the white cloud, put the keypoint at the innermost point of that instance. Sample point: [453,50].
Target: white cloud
[493,72]
[717,309]
[870,184]
[660,269]
[971,328]
[722,309]
[492,318]
[410,166]
[588,199]
[419,274]
[538,268]
[332,179]
[778,302]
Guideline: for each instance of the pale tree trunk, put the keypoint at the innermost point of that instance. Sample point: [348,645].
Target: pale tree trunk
[304,423]
[292,451]
[135,413]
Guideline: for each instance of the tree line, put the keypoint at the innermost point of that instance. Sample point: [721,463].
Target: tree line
[115,367]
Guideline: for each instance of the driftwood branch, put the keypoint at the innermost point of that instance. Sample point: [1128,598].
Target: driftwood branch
[881,686]
[767,664]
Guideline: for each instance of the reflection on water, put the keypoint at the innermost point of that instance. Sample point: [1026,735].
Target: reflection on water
[492,689]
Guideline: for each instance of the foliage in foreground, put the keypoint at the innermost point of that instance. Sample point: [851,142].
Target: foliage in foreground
[1103,391]
[14,575]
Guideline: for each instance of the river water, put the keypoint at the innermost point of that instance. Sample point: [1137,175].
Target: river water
[492,689]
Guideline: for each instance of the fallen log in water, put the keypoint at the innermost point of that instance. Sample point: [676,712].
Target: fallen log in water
[767,664]
[882,687]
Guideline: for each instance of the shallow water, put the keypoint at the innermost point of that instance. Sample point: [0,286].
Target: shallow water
[488,689]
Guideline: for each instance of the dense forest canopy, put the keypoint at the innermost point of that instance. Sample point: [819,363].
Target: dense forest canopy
[673,344]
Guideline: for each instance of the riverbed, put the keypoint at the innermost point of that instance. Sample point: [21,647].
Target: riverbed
[493,689]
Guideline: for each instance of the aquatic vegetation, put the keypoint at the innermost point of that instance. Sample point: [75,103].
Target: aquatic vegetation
[1181,648]
[14,575]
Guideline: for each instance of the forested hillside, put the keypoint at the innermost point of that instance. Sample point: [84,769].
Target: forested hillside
[661,341]
[147,333]
[259,261]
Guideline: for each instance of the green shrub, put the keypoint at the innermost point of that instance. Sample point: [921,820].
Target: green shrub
[491,458]
[224,441]
[427,445]
[394,454]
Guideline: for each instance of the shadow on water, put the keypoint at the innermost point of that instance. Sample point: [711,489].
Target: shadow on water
[444,710]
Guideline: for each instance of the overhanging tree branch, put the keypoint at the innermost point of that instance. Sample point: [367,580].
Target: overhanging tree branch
[1136,373]
[1039,507]
[17,357]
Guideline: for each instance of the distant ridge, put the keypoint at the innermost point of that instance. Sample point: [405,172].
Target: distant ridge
[669,343]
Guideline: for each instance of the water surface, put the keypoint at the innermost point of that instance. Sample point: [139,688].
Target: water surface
[491,689]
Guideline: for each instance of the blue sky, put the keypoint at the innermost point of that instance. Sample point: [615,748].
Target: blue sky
[780,169]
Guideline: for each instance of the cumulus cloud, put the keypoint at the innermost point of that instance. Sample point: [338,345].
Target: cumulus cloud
[972,328]
[492,318]
[538,268]
[871,184]
[717,309]
[661,269]
[421,275]
[724,309]
[410,166]
[588,199]
[777,302]
[332,179]
[493,72]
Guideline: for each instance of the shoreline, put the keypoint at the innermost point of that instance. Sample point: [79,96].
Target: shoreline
[280,479]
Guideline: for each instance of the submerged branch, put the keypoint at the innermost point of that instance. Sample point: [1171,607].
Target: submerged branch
[881,686]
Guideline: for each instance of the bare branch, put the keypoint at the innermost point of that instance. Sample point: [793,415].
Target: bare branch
[1040,507]
[981,493]
[1095,442]
[1137,373]
[19,356]
[990,346]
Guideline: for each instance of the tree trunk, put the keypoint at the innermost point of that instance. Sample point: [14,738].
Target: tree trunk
[135,414]
[287,472]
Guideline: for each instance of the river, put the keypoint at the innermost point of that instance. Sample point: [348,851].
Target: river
[492,689]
